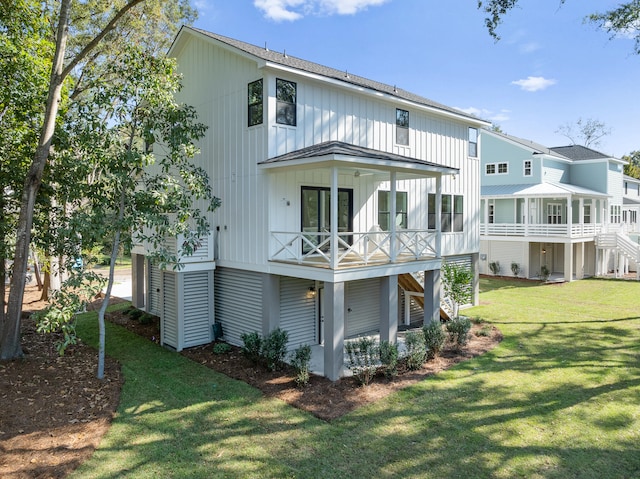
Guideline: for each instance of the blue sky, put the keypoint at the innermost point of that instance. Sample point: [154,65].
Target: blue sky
[549,69]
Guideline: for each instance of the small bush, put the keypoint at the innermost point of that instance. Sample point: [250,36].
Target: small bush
[135,314]
[274,348]
[434,338]
[389,358]
[544,273]
[515,269]
[221,348]
[300,360]
[362,359]
[458,329]
[494,266]
[416,350]
[145,318]
[484,331]
[252,346]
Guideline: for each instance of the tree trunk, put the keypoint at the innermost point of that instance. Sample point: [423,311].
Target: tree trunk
[10,347]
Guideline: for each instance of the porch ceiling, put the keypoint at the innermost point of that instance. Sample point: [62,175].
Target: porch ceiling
[539,190]
[345,155]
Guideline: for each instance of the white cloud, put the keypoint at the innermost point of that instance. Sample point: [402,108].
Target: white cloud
[291,10]
[529,47]
[534,83]
[631,32]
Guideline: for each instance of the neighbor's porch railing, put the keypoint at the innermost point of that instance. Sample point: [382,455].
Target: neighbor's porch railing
[519,229]
[354,248]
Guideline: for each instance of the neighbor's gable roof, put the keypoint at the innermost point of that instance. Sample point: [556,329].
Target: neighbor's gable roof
[532,146]
[579,153]
[286,60]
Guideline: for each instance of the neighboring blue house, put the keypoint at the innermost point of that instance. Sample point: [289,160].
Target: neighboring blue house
[555,209]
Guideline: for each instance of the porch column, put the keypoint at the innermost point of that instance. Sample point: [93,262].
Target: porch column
[333,330]
[568,261]
[389,308]
[581,215]
[486,216]
[270,302]
[431,296]
[439,216]
[579,260]
[526,216]
[137,280]
[392,214]
[333,242]
[569,217]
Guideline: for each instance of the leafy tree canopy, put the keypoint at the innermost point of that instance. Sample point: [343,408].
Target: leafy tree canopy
[623,20]
[633,168]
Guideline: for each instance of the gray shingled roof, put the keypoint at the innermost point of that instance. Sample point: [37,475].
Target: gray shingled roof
[330,148]
[310,67]
[579,152]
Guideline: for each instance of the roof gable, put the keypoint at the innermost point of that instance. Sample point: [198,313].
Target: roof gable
[285,60]
[579,153]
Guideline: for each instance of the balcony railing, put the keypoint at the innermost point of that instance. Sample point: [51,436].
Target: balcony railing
[354,248]
[519,229]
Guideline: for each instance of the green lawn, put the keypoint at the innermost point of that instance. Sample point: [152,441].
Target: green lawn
[559,397]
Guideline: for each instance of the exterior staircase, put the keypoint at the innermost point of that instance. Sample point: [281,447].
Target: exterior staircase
[621,244]
[411,283]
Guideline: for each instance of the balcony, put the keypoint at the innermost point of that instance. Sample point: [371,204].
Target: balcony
[354,249]
[545,230]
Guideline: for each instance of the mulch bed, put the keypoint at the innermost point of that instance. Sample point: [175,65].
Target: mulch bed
[54,410]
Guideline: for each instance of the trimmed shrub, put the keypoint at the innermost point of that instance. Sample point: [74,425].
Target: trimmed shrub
[389,358]
[434,338]
[146,318]
[458,329]
[221,348]
[300,360]
[494,266]
[274,348]
[484,331]
[416,350]
[362,359]
[252,346]
[515,269]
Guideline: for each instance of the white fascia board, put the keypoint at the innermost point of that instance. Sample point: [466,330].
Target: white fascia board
[381,95]
[327,161]
[545,156]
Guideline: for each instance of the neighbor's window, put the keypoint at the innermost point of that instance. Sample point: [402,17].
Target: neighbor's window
[402,127]
[586,216]
[490,169]
[503,168]
[615,213]
[527,168]
[491,213]
[384,210]
[473,142]
[286,92]
[255,102]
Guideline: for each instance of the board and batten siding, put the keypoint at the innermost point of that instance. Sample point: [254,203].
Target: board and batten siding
[238,304]
[363,307]
[298,312]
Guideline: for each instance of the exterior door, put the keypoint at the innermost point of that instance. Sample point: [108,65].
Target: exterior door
[316,215]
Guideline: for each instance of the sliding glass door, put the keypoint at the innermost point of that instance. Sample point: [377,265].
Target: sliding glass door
[316,215]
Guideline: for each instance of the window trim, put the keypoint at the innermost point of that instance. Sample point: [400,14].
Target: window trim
[449,219]
[528,167]
[255,104]
[401,127]
[294,104]
[473,145]
[496,168]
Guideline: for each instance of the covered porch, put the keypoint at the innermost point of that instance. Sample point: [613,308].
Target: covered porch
[543,210]
[354,207]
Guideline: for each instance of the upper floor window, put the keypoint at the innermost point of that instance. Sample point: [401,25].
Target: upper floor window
[616,213]
[384,210]
[473,142]
[554,213]
[402,127]
[527,168]
[626,187]
[286,93]
[491,213]
[255,100]
[497,168]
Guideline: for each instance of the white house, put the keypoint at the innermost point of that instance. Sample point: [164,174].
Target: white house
[341,198]
[556,209]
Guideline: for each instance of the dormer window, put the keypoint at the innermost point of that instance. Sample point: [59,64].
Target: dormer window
[286,93]
[402,127]
[255,103]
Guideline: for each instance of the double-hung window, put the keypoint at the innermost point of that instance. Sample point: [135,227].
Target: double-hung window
[256,102]
[286,97]
[527,168]
[384,210]
[496,168]
[451,213]
[402,127]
